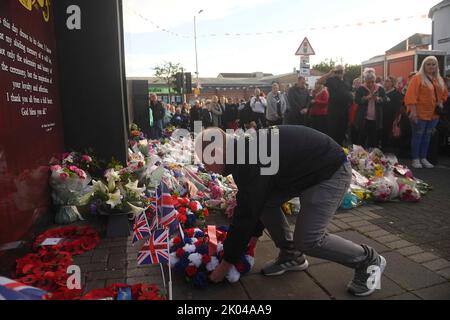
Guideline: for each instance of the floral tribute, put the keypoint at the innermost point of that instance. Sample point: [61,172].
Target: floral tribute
[46,268]
[194,257]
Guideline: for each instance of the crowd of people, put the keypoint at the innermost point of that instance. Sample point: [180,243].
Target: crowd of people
[373,112]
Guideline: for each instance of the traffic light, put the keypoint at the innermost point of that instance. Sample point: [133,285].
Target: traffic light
[179,81]
[188,83]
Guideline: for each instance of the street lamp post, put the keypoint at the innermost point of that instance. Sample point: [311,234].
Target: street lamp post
[195,39]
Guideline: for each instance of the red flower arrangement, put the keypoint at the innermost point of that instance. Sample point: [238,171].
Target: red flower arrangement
[78,239]
[191,258]
[46,268]
[138,292]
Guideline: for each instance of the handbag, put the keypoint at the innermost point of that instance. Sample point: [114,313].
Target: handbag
[396,129]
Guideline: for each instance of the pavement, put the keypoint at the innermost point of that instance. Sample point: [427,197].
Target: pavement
[414,239]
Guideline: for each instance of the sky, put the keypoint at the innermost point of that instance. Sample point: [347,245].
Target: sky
[261,46]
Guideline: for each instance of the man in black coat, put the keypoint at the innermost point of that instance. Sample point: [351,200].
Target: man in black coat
[158,116]
[339,104]
[195,114]
[299,104]
[304,163]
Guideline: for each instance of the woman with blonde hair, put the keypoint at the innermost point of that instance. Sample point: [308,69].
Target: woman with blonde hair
[370,98]
[424,99]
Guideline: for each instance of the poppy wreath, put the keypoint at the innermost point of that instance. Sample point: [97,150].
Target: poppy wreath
[46,268]
[191,258]
[138,292]
[77,240]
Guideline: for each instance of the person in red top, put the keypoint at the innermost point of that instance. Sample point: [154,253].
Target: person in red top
[319,110]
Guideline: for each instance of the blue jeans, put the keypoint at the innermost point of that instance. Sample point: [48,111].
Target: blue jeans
[157,129]
[421,136]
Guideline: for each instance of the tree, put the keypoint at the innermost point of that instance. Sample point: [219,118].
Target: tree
[352,71]
[167,72]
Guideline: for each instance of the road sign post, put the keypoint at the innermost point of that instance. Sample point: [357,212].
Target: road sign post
[305,51]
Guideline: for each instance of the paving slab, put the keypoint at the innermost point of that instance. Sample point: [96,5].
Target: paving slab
[408,274]
[290,286]
[404,296]
[222,291]
[334,278]
[439,292]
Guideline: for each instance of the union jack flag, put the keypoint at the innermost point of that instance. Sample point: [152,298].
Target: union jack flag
[156,249]
[166,211]
[141,229]
[12,290]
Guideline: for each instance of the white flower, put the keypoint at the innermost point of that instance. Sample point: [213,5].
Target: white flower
[250,260]
[219,247]
[173,259]
[115,199]
[196,259]
[233,275]
[133,187]
[112,175]
[189,248]
[211,266]
[99,186]
[194,240]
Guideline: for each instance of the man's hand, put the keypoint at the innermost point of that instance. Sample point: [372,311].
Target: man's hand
[221,272]
[304,111]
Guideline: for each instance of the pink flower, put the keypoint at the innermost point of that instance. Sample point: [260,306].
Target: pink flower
[87,158]
[55,168]
[73,168]
[64,176]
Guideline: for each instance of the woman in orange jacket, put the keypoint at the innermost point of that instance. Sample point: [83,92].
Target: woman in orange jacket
[425,97]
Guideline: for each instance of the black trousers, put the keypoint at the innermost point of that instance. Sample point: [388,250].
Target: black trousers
[368,135]
[338,123]
[274,123]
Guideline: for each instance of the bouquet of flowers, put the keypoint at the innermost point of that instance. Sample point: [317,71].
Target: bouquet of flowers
[384,189]
[84,161]
[119,194]
[408,190]
[192,258]
[136,135]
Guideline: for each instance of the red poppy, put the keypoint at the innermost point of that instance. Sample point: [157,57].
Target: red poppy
[206,259]
[99,294]
[180,252]
[193,206]
[191,271]
[148,296]
[206,212]
[240,267]
[176,240]
[184,201]
[182,210]
[190,233]
[182,218]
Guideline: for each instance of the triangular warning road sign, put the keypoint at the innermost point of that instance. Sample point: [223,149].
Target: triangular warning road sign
[305,49]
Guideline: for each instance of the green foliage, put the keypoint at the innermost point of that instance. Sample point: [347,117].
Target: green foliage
[352,71]
[167,72]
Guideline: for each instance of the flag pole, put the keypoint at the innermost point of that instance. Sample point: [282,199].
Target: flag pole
[170,271]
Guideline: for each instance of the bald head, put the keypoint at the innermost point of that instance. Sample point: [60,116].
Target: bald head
[210,149]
